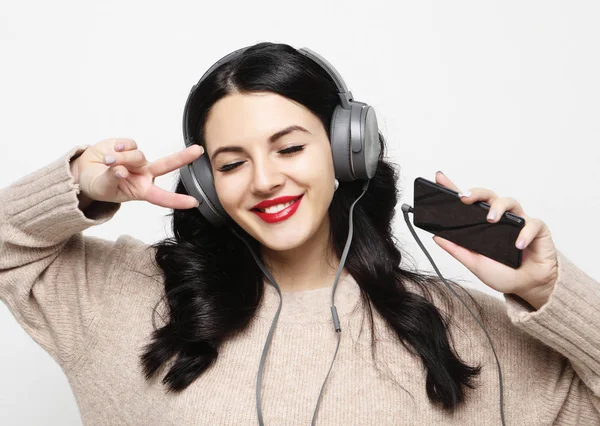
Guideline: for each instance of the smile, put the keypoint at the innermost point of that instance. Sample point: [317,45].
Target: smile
[278,212]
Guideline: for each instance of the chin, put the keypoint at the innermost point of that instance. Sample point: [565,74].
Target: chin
[281,244]
[283,236]
[284,239]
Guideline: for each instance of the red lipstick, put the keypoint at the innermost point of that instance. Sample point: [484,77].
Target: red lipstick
[280,215]
[279,200]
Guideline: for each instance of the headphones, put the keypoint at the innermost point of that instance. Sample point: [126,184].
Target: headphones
[354,137]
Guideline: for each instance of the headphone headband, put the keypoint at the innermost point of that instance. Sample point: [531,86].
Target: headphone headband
[343,92]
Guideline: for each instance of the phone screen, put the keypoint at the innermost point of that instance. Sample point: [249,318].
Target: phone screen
[440,210]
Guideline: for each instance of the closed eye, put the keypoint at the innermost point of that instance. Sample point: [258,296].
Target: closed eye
[286,151]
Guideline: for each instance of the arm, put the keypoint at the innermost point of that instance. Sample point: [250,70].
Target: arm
[47,265]
[569,323]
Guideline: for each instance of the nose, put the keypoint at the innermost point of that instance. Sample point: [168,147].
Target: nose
[266,177]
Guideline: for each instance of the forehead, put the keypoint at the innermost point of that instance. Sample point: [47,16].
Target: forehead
[242,118]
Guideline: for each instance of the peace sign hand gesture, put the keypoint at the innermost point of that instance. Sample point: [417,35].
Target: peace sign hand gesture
[114,170]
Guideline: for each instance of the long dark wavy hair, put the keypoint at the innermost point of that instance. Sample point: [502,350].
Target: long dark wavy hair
[213,287]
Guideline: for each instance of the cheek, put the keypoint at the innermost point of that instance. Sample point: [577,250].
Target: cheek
[315,169]
[230,192]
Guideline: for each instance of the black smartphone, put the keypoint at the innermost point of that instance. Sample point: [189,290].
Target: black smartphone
[440,210]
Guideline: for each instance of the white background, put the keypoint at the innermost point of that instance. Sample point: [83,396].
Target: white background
[496,94]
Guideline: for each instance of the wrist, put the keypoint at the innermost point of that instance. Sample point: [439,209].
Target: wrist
[84,200]
[74,164]
[538,296]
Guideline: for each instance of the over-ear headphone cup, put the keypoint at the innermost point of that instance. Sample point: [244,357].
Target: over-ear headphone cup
[362,164]
[339,136]
[198,181]
[371,146]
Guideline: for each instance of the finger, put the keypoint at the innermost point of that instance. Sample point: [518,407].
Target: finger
[120,172]
[481,266]
[163,198]
[129,159]
[532,229]
[124,145]
[502,205]
[465,256]
[109,179]
[444,180]
[478,194]
[175,161]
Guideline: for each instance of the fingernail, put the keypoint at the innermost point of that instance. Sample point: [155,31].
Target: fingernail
[439,171]
[492,215]
[109,159]
[464,194]
[521,244]
[119,175]
[119,147]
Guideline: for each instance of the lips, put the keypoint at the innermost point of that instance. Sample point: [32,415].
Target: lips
[279,200]
[280,215]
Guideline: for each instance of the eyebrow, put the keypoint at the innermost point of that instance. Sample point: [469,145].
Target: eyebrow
[273,138]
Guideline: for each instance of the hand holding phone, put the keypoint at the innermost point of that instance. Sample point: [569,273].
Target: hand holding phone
[440,210]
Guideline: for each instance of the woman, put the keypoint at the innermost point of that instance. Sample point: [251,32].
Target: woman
[420,359]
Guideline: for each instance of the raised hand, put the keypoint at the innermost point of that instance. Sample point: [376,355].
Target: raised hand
[115,170]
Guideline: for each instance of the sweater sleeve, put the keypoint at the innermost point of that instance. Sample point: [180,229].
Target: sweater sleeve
[569,323]
[47,265]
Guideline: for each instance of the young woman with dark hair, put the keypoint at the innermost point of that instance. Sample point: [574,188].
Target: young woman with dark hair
[263,121]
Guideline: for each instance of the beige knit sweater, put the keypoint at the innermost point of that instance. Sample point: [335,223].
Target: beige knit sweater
[88,302]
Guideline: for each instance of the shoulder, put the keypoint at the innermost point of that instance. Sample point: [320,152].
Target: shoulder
[134,249]
[134,266]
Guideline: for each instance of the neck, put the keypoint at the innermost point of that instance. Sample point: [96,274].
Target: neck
[310,266]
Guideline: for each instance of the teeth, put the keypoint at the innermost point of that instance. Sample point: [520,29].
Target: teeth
[277,208]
